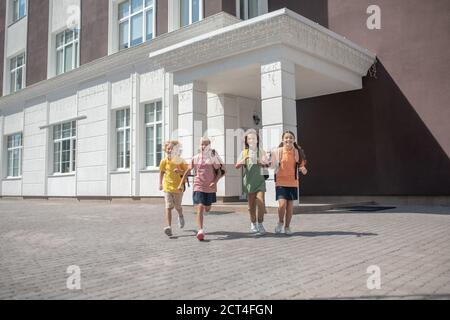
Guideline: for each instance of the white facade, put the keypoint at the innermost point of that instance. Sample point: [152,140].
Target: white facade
[212,78]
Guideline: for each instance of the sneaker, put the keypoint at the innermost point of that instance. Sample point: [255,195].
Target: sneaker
[181,222]
[287,231]
[200,235]
[168,231]
[279,227]
[261,229]
[253,228]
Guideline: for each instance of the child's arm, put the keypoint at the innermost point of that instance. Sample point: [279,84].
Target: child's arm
[242,161]
[161,177]
[186,173]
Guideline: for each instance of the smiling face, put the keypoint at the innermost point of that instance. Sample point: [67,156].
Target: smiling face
[288,140]
[252,140]
[204,144]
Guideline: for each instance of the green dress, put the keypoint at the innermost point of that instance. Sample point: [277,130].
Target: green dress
[253,177]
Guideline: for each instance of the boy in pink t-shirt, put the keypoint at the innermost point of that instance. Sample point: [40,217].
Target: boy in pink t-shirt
[208,169]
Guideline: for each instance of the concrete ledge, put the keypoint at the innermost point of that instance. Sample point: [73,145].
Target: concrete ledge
[382,200]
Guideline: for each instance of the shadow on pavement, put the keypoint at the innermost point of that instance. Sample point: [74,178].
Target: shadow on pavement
[228,235]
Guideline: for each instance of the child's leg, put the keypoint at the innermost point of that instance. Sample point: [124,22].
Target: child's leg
[252,206]
[259,201]
[169,217]
[289,212]
[208,208]
[281,210]
[200,210]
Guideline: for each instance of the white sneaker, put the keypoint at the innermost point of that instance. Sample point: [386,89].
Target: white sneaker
[261,229]
[279,227]
[168,231]
[253,228]
[181,222]
[287,231]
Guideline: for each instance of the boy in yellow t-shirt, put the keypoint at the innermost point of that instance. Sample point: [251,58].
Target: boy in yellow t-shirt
[172,169]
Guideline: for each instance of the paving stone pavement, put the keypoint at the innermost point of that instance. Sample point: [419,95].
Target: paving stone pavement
[123,253]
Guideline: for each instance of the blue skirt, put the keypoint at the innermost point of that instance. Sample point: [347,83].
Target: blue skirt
[206,199]
[286,193]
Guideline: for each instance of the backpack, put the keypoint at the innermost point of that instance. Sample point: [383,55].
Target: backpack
[246,152]
[220,171]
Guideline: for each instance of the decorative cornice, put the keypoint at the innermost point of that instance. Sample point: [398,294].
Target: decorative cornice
[283,27]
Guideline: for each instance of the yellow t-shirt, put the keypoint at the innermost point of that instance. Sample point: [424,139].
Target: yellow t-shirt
[171,178]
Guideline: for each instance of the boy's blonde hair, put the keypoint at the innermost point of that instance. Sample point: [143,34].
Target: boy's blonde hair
[169,143]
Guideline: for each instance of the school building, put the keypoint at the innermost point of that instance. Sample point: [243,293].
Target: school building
[91,89]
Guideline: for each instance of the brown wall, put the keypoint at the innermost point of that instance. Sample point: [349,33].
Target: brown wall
[162,17]
[94,30]
[38,11]
[316,10]
[392,137]
[212,7]
[2,41]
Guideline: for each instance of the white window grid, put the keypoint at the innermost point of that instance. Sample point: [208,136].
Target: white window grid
[123,139]
[17,73]
[67,133]
[190,4]
[14,151]
[153,120]
[69,38]
[243,8]
[146,6]
[19,10]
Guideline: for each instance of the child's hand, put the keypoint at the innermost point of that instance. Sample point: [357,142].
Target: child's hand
[177,170]
[303,170]
[161,187]
[212,184]
[180,187]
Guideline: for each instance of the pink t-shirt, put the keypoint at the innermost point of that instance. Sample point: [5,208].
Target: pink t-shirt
[204,164]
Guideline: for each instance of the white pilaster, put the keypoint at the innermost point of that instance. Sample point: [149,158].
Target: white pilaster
[222,126]
[278,109]
[192,110]
[135,137]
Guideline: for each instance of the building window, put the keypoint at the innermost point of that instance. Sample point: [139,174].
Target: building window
[64,147]
[247,9]
[136,22]
[17,73]
[19,8]
[153,133]
[15,155]
[190,11]
[123,138]
[67,51]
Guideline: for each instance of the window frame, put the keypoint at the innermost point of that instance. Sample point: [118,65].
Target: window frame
[72,151]
[62,48]
[10,160]
[128,18]
[200,13]
[15,12]
[13,72]
[262,9]
[126,127]
[155,123]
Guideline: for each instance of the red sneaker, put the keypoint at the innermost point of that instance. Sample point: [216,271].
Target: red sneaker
[200,235]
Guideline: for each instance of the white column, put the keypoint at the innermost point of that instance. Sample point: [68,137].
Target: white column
[278,109]
[135,141]
[192,110]
[222,126]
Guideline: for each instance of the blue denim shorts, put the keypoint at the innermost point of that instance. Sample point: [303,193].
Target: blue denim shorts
[204,198]
[286,193]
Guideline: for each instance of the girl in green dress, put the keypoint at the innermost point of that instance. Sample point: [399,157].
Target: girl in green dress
[254,161]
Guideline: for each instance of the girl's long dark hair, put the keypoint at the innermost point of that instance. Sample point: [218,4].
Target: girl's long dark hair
[257,139]
[301,153]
